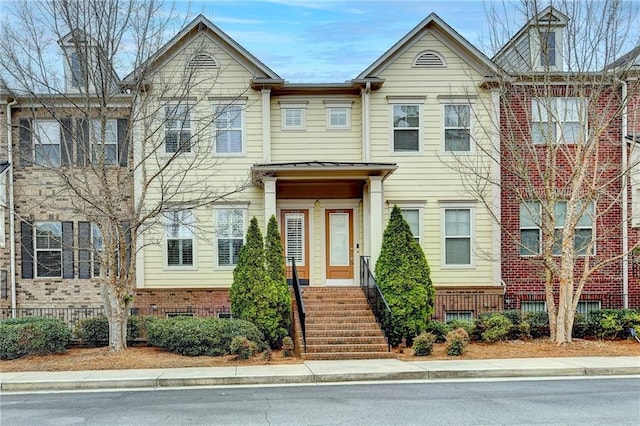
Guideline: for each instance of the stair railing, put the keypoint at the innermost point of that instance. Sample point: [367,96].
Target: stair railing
[376,299]
[297,290]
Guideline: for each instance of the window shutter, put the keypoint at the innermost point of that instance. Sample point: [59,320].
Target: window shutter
[123,141]
[67,250]
[83,151]
[84,250]
[26,252]
[66,150]
[26,149]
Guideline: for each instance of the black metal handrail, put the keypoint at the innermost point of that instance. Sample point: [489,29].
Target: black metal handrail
[297,290]
[376,299]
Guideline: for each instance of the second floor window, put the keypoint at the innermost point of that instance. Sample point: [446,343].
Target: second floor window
[104,146]
[48,249]
[229,235]
[406,128]
[177,129]
[229,138]
[457,120]
[180,238]
[558,120]
[46,147]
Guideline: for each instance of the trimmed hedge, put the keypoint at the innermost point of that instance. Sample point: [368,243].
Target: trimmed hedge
[94,332]
[201,336]
[32,336]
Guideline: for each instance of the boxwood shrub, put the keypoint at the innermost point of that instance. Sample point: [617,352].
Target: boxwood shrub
[32,336]
[94,332]
[201,336]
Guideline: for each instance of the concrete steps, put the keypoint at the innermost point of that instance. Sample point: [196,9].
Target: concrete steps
[340,325]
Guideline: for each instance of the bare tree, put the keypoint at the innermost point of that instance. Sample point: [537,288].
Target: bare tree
[124,158]
[562,155]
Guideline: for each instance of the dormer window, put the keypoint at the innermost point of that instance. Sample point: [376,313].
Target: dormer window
[76,78]
[547,49]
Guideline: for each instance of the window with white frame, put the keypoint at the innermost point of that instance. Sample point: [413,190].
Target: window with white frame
[533,306]
[547,49]
[338,113]
[583,237]
[458,316]
[229,235]
[46,149]
[97,245]
[48,249]
[177,129]
[530,232]
[77,70]
[104,146]
[179,238]
[412,216]
[457,236]
[586,306]
[229,129]
[457,123]
[406,127]
[558,120]
[293,118]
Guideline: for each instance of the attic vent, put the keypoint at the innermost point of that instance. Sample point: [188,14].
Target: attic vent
[429,60]
[202,60]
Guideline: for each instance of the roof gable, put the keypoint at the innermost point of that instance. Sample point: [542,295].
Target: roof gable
[202,25]
[432,23]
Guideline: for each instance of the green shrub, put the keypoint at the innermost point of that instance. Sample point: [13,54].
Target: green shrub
[242,347]
[276,271]
[201,336]
[581,328]
[605,323]
[467,325]
[423,344]
[403,275]
[538,323]
[457,340]
[497,327]
[629,318]
[32,336]
[438,329]
[94,332]
[288,348]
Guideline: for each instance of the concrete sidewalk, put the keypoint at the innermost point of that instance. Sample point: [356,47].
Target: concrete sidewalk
[318,372]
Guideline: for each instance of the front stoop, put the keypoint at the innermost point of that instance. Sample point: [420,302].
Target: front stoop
[341,325]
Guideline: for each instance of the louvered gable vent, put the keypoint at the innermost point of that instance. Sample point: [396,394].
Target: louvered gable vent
[202,60]
[429,60]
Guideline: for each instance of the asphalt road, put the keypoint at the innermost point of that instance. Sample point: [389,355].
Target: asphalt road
[545,402]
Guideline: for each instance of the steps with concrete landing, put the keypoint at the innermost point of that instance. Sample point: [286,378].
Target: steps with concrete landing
[340,325]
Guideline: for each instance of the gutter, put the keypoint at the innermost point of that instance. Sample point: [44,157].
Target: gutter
[625,201]
[12,214]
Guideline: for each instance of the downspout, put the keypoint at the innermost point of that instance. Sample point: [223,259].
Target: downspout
[625,201]
[366,141]
[12,214]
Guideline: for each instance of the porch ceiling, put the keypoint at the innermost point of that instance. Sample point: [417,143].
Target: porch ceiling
[321,170]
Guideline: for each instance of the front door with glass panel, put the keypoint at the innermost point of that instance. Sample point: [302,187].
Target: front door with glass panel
[339,246]
[295,238]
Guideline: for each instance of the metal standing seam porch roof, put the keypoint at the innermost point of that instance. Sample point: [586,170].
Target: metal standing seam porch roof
[311,169]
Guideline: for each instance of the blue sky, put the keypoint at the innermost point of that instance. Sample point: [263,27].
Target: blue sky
[332,40]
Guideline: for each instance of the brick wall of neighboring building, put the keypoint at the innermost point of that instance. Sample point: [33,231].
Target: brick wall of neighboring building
[525,275]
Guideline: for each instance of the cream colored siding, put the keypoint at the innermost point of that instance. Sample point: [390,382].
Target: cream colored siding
[315,141]
[425,176]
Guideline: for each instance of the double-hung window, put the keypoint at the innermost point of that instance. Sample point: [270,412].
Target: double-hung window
[457,236]
[530,232]
[179,236]
[48,249]
[547,49]
[229,235]
[406,127]
[228,121]
[46,148]
[97,245]
[104,145]
[412,217]
[177,129]
[558,120]
[583,237]
[457,123]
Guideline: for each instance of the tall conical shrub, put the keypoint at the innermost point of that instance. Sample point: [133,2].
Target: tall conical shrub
[276,271]
[402,272]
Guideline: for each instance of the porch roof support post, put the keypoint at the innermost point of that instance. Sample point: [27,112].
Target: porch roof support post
[269,197]
[375,221]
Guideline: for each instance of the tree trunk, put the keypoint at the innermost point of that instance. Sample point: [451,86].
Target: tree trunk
[117,314]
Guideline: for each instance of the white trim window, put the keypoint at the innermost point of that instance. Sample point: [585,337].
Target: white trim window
[293,118]
[179,238]
[104,150]
[530,232]
[48,249]
[558,120]
[533,306]
[177,137]
[458,231]
[338,113]
[229,129]
[583,242]
[230,225]
[413,217]
[457,128]
[97,244]
[547,49]
[586,306]
[405,119]
[458,316]
[47,148]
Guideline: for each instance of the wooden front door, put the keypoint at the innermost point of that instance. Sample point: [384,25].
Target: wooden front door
[339,246]
[295,240]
